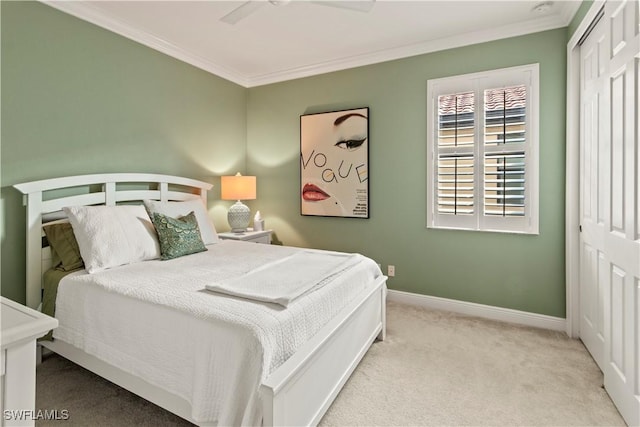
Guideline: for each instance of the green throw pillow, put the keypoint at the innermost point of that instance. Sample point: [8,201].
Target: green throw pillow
[178,236]
[64,247]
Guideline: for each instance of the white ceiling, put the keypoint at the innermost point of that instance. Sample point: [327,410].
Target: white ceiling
[301,38]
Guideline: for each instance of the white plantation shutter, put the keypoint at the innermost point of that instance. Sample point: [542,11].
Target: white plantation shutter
[505,122]
[455,184]
[482,149]
[456,138]
[504,184]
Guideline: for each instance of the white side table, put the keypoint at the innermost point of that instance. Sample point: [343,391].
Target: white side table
[21,326]
[263,236]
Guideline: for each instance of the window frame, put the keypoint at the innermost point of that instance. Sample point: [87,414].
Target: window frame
[527,75]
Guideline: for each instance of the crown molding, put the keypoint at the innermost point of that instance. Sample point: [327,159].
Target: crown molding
[466,39]
[86,12]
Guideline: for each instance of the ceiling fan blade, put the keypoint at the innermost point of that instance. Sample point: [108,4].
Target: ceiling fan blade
[242,11]
[358,5]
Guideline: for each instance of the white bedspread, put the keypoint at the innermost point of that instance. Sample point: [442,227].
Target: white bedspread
[155,319]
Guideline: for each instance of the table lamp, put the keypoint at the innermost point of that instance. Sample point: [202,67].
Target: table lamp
[238,188]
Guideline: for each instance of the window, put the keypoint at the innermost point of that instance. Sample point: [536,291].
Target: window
[482,147]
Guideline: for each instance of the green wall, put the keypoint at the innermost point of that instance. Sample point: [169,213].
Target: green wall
[78,99]
[521,272]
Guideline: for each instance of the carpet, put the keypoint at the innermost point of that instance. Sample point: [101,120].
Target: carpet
[434,369]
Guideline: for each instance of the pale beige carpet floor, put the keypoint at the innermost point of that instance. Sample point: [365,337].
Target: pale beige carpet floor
[434,369]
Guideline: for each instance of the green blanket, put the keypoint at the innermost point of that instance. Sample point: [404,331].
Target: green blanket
[50,280]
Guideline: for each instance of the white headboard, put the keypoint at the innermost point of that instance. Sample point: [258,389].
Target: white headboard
[44,201]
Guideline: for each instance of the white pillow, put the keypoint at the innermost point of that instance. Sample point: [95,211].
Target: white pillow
[177,209]
[109,236]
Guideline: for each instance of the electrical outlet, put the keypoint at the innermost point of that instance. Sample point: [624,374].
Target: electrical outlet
[391,270]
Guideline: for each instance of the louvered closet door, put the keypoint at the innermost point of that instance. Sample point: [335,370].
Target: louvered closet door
[610,205]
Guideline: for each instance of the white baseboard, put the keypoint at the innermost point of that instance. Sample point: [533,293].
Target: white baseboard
[480,310]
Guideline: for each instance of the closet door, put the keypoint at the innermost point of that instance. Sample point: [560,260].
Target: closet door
[594,197]
[610,205]
[622,234]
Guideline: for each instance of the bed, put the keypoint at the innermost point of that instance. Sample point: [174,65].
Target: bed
[290,357]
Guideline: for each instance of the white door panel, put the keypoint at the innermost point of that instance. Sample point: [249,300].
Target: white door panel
[610,205]
[595,206]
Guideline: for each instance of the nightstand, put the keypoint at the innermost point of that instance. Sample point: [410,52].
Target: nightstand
[248,236]
[21,326]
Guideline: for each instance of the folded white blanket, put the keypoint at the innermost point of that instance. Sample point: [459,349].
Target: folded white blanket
[282,281]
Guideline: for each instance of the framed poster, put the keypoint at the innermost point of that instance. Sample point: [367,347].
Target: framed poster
[334,163]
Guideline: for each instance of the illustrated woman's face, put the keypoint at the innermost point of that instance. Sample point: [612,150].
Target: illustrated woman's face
[333,166]
[351,131]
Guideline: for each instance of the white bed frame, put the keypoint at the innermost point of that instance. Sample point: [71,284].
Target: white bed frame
[297,393]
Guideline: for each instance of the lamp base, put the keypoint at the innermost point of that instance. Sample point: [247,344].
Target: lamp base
[238,217]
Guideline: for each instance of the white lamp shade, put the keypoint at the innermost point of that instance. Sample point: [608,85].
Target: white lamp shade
[238,187]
